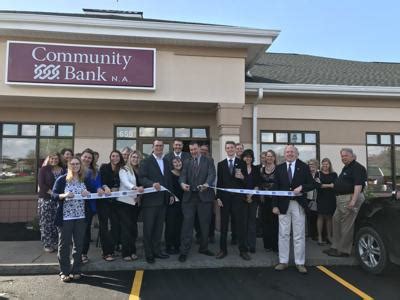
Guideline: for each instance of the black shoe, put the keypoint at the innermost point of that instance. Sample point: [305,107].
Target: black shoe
[221,255]
[150,260]
[182,257]
[234,241]
[245,256]
[161,255]
[206,252]
[211,239]
[252,250]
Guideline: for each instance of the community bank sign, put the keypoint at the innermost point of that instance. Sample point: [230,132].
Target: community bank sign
[80,65]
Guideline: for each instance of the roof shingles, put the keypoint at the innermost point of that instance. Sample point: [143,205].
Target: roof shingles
[307,69]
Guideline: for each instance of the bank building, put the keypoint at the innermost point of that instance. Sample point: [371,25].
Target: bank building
[110,79]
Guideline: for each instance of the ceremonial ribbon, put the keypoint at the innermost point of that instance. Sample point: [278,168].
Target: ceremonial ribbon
[129,193]
[259,192]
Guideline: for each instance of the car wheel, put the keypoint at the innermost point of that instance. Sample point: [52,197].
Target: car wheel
[371,251]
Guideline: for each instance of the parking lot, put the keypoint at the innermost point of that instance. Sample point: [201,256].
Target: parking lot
[225,283]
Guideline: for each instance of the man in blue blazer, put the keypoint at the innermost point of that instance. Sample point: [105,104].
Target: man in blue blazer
[292,175]
[198,173]
[154,172]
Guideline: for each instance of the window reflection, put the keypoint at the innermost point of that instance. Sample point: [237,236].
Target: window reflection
[17,163]
[379,168]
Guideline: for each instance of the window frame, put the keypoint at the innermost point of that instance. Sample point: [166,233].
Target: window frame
[289,132]
[37,137]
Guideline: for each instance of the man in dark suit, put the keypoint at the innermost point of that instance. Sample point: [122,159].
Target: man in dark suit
[177,147]
[198,173]
[154,172]
[292,175]
[230,175]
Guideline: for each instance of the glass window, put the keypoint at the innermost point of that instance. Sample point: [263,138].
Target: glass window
[10,129]
[166,148]
[372,139]
[277,148]
[379,168]
[18,166]
[310,138]
[267,137]
[164,132]
[306,143]
[182,132]
[307,152]
[126,132]
[50,145]
[199,133]
[296,138]
[147,131]
[65,130]
[397,139]
[28,130]
[147,149]
[121,144]
[385,139]
[281,137]
[397,175]
[47,130]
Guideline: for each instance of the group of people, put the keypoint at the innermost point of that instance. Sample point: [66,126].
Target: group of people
[187,189]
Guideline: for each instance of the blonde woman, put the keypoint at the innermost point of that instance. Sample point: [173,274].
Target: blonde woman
[71,218]
[128,213]
[326,201]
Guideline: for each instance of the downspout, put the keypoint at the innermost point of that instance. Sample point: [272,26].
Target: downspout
[260,96]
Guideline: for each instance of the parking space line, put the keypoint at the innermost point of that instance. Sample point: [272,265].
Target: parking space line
[136,285]
[345,283]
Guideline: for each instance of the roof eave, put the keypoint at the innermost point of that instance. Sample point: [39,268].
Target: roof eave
[256,41]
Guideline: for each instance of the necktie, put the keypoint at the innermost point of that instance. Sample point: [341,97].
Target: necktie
[195,166]
[289,170]
[231,166]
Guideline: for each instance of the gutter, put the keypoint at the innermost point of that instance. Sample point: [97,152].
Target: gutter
[260,97]
[321,89]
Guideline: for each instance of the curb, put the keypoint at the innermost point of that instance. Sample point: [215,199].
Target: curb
[118,265]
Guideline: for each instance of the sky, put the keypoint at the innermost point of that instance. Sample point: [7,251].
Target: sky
[356,30]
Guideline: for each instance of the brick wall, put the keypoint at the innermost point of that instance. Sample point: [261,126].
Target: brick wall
[18,210]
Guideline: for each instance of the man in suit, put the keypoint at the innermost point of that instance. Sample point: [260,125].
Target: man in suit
[198,173]
[292,175]
[230,175]
[154,172]
[177,147]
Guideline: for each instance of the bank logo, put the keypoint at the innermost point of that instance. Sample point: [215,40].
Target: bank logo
[49,72]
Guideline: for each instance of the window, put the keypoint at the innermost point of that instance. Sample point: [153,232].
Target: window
[141,137]
[23,148]
[306,142]
[383,161]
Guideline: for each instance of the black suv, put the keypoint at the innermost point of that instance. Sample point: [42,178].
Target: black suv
[377,232]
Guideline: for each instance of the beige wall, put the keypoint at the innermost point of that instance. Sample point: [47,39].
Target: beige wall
[183,74]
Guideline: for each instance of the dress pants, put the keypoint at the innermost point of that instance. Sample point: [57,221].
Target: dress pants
[173,225]
[343,223]
[270,225]
[88,232]
[104,212]
[125,220]
[294,217]
[71,232]
[153,223]
[251,209]
[189,209]
[235,205]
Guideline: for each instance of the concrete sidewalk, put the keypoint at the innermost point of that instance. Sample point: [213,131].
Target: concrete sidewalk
[18,258]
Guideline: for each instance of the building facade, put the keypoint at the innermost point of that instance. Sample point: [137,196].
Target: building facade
[205,82]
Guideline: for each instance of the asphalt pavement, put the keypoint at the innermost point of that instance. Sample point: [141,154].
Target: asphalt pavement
[227,283]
